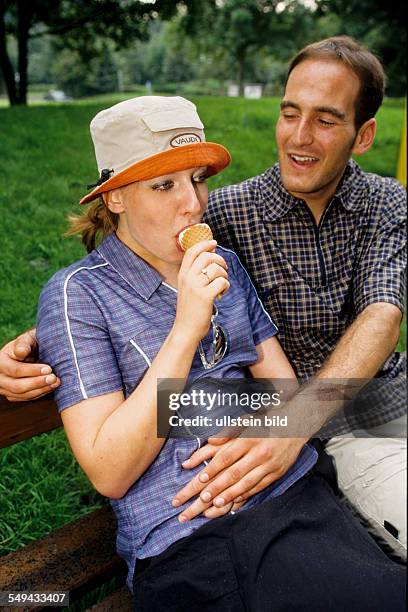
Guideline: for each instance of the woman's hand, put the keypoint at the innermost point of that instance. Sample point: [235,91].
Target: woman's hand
[197,290]
[208,510]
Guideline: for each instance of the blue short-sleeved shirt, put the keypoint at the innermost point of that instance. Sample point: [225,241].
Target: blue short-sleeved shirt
[101,322]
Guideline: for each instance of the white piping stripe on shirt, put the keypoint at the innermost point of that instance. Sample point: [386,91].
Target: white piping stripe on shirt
[71,340]
[199,443]
[169,286]
[143,354]
[252,285]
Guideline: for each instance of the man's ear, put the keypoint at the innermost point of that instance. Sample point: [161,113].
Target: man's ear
[113,200]
[365,137]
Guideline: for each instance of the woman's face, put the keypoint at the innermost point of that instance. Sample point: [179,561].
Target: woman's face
[152,213]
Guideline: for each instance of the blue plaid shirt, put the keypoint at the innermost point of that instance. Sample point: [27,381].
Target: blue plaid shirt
[315,280]
[101,323]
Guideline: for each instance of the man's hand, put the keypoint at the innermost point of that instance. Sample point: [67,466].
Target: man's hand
[238,469]
[20,379]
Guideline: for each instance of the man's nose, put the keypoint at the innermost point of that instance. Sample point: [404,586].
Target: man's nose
[303,133]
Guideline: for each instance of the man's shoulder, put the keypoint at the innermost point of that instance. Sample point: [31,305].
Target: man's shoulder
[230,193]
[374,195]
[243,191]
[379,185]
[387,200]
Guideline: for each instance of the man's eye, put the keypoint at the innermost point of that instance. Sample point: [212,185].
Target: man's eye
[328,123]
[289,115]
[165,186]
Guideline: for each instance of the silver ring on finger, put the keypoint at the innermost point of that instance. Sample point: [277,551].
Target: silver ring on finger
[205,272]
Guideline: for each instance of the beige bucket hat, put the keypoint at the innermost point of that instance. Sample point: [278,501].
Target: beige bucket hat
[145,137]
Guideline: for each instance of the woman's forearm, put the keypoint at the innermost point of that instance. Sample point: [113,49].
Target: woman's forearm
[126,443]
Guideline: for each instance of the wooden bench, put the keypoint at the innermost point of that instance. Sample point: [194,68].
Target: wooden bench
[76,558]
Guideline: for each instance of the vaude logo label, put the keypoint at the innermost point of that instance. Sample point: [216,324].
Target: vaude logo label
[184,139]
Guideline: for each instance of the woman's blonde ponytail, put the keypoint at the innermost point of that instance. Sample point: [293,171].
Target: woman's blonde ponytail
[97,223]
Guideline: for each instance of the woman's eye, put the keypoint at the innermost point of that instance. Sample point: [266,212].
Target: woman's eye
[201,178]
[163,186]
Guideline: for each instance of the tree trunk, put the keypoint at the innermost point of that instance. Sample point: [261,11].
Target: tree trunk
[5,63]
[241,71]
[23,28]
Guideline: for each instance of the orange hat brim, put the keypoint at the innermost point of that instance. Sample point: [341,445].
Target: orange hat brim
[210,154]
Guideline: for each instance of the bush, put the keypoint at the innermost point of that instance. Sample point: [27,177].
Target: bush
[99,75]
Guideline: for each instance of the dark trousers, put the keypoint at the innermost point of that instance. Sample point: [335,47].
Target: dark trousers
[301,551]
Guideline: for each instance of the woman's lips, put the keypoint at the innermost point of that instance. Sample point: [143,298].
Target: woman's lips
[178,245]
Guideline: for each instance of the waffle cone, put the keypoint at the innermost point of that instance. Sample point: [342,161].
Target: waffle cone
[194,234]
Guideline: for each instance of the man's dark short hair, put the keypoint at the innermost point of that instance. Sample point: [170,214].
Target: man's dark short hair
[361,61]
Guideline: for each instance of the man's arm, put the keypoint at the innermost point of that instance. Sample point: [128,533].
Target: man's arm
[366,344]
[20,379]
[359,354]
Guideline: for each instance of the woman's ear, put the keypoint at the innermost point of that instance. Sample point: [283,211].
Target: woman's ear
[365,137]
[113,200]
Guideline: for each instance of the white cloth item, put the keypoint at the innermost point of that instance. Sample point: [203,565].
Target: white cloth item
[135,129]
[372,475]
[150,136]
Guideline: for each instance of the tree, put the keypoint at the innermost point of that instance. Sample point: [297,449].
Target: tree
[242,27]
[83,24]
[380,24]
[99,75]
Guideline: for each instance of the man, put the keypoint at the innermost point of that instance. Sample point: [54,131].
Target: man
[324,244]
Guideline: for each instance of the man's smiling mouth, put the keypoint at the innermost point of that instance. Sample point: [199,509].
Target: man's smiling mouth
[301,159]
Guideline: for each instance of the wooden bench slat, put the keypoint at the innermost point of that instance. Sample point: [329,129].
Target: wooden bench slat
[120,600]
[23,420]
[76,558]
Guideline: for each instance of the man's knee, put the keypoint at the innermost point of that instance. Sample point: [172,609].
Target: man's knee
[372,475]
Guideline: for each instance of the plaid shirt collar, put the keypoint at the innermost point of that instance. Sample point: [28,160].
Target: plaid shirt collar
[278,202]
[133,269]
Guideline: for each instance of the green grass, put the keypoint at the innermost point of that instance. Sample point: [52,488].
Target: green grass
[33,498]
[46,161]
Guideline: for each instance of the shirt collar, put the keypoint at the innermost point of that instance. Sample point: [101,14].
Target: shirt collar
[132,268]
[352,187]
[277,201]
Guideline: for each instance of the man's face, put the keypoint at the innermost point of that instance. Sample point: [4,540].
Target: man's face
[315,131]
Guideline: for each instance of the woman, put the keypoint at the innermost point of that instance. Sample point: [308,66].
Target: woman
[137,309]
